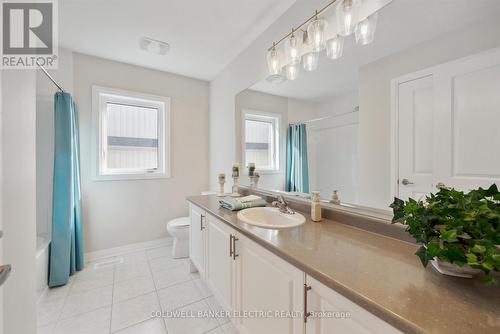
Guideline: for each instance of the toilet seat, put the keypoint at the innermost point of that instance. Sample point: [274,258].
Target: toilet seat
[179,223]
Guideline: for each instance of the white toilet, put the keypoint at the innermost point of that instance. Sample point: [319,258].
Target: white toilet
[179,229]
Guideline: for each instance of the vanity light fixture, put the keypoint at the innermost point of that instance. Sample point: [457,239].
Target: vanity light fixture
[310,61]
[291,71]
[347,15]
[316,33]
[273,65]
[335,47]
[365,30]
[154,46]
[317,36]
[292,49]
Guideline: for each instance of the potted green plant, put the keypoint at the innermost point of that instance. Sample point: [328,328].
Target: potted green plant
[458,232]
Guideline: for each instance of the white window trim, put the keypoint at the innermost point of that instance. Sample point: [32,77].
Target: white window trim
[277,139]
[102,95]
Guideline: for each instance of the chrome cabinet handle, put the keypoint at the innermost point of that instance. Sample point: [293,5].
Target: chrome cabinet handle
[201,223]
[307,314]
[406,182]
[234,248]
[4,273]
[231,245]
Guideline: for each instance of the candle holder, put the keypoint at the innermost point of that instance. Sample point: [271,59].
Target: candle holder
[222,181]
[235,192]
[236,175]
[256,179]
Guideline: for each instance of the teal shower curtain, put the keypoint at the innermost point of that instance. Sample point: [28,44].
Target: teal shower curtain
[297,174]
[66,248]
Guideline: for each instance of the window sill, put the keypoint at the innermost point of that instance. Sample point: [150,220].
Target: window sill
[266,172]
[129,177]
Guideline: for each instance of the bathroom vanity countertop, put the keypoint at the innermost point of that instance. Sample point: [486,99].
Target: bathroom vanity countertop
[379,273]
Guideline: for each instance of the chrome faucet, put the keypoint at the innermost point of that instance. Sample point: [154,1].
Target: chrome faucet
[282,205]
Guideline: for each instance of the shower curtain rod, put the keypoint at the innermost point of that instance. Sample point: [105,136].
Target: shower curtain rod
[50,77]
[326,117]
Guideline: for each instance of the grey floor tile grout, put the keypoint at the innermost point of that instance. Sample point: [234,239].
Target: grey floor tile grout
[156,290]
[62,308]
[112,300]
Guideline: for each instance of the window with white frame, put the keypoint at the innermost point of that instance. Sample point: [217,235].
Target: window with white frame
[261,140]
[131,133]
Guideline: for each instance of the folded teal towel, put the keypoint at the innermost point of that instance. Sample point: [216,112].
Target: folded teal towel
[235,204]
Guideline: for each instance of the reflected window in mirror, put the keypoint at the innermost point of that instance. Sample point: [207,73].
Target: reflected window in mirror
[261,140]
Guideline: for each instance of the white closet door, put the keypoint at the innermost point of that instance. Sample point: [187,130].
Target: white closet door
[467,122]
[415,135]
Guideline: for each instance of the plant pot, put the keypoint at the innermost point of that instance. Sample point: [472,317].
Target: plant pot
[451,269]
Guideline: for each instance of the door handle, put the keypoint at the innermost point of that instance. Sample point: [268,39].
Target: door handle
[406,182]
[307,314]
[4,273]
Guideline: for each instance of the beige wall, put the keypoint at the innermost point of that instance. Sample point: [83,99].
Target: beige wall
[375,100]
[117,213]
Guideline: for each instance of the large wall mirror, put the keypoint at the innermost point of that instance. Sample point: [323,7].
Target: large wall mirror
[415,109]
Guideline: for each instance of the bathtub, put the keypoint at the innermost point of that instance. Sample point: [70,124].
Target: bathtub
[42,264]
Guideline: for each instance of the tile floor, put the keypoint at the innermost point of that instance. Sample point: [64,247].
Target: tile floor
[120,298]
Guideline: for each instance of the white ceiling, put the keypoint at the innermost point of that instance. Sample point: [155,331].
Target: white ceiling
[204,35]
[401,24]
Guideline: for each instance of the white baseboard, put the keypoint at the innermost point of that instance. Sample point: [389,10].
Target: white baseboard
[110,252]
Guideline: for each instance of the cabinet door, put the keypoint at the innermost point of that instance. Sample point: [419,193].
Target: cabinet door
[333,313]
[219,268]
[266,283]
[197,238]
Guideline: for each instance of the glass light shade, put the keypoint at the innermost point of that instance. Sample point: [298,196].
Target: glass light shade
[310,61]
[291,72]
[365,30]
[273,62]
[347,16]
[335,47]
[292,49]
[316,34]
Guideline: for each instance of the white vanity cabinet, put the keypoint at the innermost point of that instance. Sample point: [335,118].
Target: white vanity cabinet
[197,240]
[337,314]
[265,289]
[219,261]
[264,282]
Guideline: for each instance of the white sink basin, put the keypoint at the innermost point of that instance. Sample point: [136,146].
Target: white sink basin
[270,218]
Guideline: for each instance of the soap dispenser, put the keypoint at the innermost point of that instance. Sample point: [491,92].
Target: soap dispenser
[315,206]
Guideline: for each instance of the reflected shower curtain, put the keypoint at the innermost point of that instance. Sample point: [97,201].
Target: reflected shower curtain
[297,175]
[66,248]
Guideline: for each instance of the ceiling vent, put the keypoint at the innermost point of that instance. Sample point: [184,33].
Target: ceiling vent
[154,46]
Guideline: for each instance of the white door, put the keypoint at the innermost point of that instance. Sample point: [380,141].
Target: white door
[197,238]
[332,313]
[265,282]
[1,219]
[467,126]
[415,135]
[219,267]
